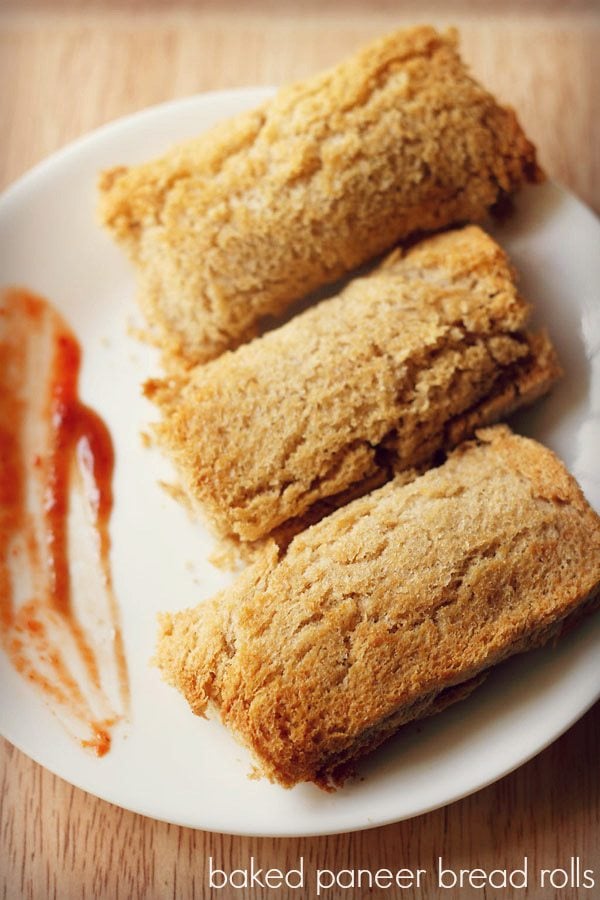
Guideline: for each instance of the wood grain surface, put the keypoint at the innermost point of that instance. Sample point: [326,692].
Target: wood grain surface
[67,67]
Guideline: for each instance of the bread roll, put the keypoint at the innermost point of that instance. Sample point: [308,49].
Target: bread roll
[257,212]
[390,608]
[403,363]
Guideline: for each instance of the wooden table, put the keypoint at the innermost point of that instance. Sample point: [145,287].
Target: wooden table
[66,68]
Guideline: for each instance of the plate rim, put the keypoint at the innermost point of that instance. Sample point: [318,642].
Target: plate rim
[291,834]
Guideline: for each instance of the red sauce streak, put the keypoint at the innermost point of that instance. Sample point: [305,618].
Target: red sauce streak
[75,437]
[100,742]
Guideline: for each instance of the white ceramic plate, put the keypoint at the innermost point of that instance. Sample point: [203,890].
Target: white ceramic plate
[165,762]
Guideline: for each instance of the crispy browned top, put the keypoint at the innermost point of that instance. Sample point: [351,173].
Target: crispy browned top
[335,169]
[366,382]
[388,602]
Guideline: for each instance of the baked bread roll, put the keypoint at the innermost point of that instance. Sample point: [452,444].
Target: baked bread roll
[259,211]
[405,362]
[390,608]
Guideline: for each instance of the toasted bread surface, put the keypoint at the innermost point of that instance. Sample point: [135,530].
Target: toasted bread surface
[378,614]
[405,362]
[264,208]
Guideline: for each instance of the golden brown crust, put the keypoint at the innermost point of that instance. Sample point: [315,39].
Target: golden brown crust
[316,655]
[404,363]
[264,208]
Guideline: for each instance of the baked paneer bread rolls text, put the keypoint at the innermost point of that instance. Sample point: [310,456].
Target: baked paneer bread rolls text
[405,362]
[390,608]
[233,226]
